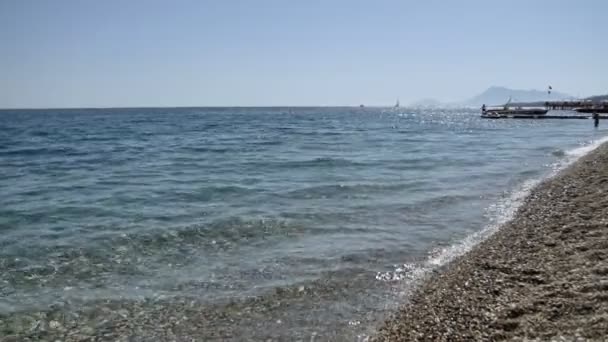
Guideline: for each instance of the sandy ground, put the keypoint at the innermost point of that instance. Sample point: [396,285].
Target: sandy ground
[543,276]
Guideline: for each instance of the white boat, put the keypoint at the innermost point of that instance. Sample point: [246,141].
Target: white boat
[508,111]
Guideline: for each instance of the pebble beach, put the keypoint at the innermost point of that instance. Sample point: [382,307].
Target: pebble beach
[543,276]
[133,225]
[303,172]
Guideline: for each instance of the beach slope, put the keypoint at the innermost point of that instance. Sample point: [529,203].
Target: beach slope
[542,276]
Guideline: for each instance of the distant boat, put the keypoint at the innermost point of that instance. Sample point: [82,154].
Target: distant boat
[397,104]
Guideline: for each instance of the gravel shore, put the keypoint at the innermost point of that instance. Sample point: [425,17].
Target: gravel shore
[543,276]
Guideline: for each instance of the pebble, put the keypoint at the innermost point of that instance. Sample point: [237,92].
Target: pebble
[54,325]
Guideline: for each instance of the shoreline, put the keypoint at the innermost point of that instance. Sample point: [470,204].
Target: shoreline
[543,275]
[272,314]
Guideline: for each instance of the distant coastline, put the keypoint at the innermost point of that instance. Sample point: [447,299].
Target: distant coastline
[492,96]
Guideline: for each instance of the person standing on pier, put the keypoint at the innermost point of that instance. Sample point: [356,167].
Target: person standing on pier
[596,119]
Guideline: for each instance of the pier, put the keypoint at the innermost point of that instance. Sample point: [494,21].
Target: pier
[585,109]
[564,117]
[582,106]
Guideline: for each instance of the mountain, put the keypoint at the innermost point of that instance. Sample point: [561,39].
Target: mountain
[500,95]
[598,98]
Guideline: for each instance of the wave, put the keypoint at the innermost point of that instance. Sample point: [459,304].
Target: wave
[498,214]
[40,133]
[580,151]
[99,259]
[290,308]
[224,233]
[203,258]
[207,193]
[32,152]
[429,163]
[208,149]
[413,164]
[316,133]
[268,142]
[440,201]
[318,162]
[233,148]
[337,190]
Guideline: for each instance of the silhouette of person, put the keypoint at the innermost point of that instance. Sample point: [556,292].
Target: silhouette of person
[596,119]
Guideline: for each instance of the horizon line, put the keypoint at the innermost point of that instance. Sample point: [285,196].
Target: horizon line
[185,107]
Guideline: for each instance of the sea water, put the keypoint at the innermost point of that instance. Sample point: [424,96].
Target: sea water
[331,212]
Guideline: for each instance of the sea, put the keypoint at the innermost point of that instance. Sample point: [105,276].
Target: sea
[325,217]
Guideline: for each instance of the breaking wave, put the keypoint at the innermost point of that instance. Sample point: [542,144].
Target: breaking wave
[498,214]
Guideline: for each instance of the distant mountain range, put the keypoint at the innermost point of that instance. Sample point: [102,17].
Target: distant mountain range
[500,95]
[598,98]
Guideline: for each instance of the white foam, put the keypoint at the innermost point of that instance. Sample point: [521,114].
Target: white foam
[498,213]
[586,148]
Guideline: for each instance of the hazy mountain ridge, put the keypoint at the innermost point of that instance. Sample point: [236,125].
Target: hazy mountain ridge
[499,95]
[598,98]
[496,95]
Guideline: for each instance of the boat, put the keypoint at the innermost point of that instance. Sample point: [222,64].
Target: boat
[515,111]
[397,104]
[508,111]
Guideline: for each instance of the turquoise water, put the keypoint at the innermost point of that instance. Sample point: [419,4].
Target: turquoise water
[225,204]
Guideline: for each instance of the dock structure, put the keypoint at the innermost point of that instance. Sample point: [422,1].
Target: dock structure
[563,117]
[567,105]
[586,109]
[586,106]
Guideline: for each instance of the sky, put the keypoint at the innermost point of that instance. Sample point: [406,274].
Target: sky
[116,53]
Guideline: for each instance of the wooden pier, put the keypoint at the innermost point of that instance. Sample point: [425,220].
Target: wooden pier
[549,117]
[585,109]
[567,105]
[584,106]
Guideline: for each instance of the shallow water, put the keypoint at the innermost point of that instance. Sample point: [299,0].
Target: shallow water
[343,205]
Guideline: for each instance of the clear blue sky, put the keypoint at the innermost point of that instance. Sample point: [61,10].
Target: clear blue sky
[60,53]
